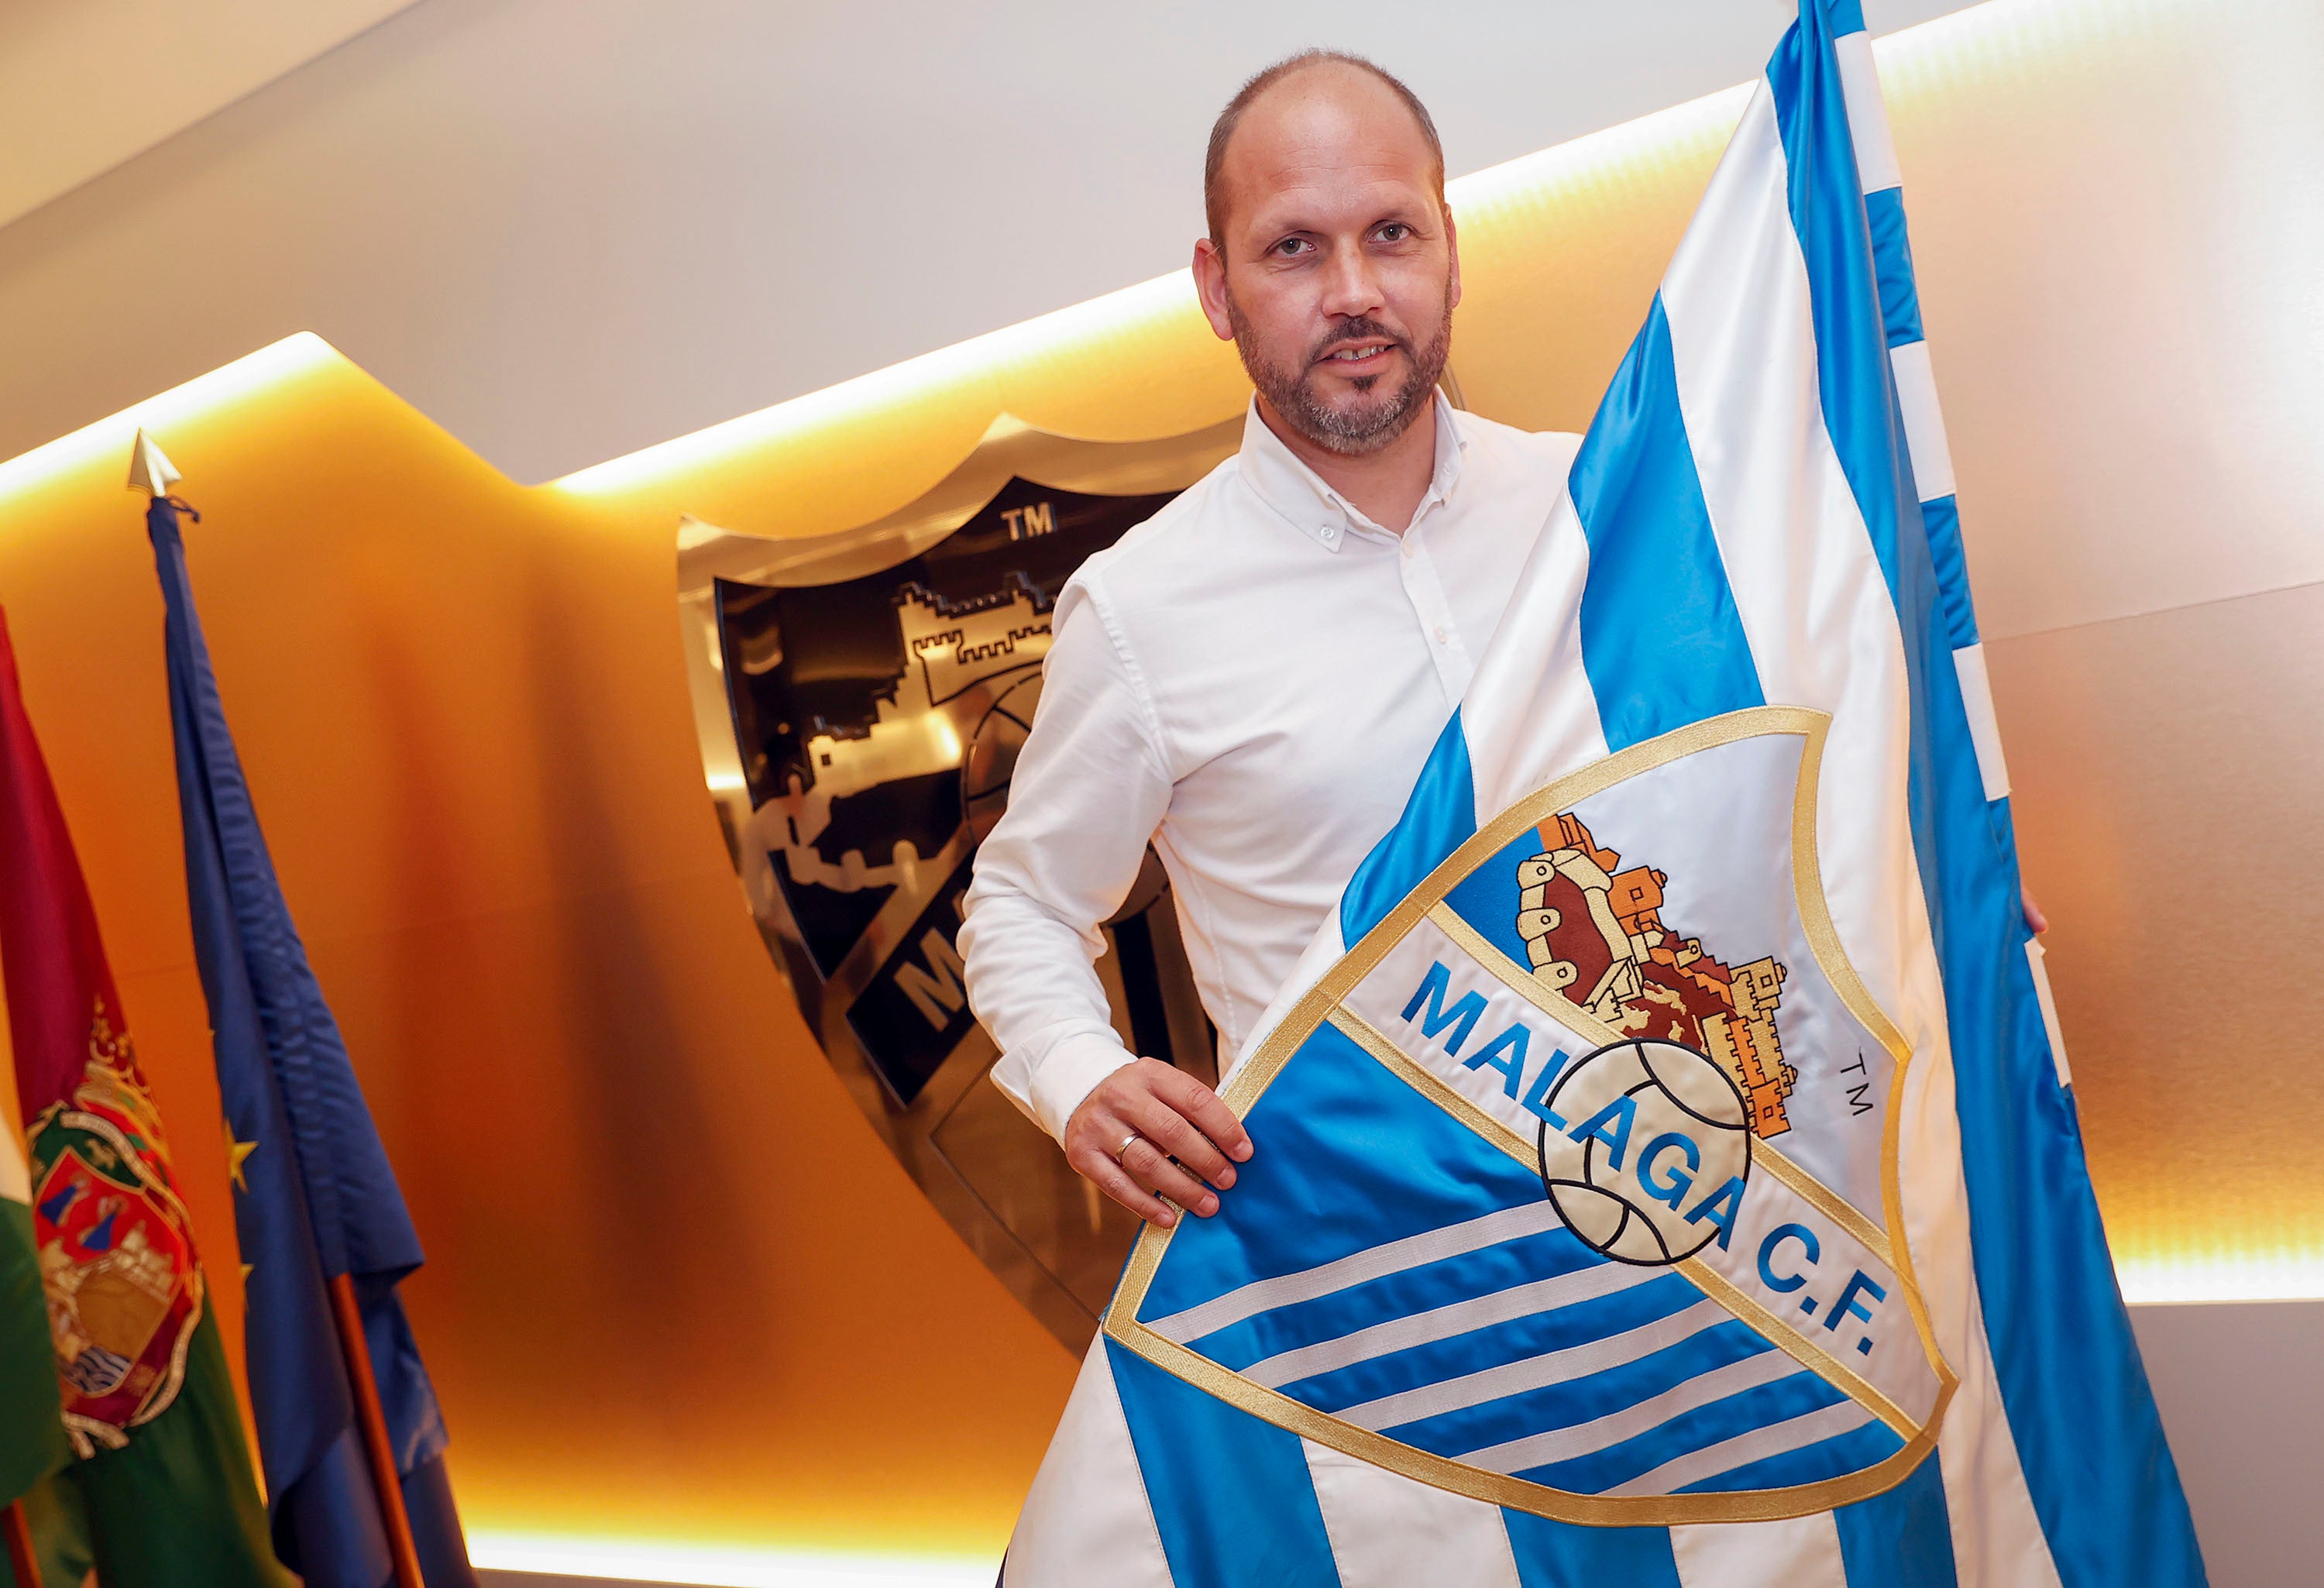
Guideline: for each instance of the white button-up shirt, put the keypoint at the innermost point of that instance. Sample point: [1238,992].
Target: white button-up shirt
[1251,681]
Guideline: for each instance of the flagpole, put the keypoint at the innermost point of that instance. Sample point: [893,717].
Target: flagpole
[152,472]
[20,1558]
[372,1420]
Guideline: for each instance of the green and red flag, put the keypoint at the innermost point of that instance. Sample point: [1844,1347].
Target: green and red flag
[158,1488]
[31,1429]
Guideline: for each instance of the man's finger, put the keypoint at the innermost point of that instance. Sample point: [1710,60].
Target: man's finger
[1178,1137]
[1109,1178]
[1148,1164]
[1213,1117]
[2036,922]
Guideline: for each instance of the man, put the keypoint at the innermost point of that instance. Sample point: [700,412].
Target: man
[1251,680]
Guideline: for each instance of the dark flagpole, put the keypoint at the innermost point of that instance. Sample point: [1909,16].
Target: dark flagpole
[372,1418]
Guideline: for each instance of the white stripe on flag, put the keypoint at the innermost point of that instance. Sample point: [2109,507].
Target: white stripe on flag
[1984,726]
[1539,1450]
[1801,1552]
[1510,1224]
[1998,1541]
[1536,1373]
[1924,420]
[1530,715]
[1792,1433]
[1387,1531]
[1746,357]
[2034,956]
[1088,1501]
[1809,589]
[1867,113]
[1479,1312]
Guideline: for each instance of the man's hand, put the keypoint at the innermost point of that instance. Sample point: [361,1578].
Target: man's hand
[1174,1116]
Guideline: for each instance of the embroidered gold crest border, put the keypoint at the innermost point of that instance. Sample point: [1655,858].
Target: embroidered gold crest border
[1323,1002]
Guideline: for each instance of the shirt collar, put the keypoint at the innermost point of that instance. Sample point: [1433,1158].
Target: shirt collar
[1274,472]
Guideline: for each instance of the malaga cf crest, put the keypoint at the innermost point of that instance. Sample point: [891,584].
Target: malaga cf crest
[860,699]
[1596,1209]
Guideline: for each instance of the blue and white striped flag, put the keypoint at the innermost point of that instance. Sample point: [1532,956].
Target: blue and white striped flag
[1667,1171]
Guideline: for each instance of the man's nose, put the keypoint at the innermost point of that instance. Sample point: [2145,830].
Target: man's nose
[1350,284]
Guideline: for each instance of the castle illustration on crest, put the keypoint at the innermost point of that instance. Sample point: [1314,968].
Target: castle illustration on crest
[921,728]
[1595,933]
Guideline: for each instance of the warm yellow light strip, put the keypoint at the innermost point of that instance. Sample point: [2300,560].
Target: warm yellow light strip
[271,364]
[867,395]
[629,1561]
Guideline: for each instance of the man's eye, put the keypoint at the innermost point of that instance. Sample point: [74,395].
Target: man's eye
[1290,245]
[1395,231]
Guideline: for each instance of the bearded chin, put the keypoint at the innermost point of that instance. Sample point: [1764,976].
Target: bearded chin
[1355,429]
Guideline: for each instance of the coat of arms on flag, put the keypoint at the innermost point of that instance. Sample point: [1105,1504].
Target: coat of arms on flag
[116,1259]
[1604,1293]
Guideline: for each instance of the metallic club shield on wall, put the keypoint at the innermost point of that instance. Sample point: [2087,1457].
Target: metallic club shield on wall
[860,699]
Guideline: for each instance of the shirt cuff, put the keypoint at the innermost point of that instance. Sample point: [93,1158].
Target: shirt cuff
[1070,1073]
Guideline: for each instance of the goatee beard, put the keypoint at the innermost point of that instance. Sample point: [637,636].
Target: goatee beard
[1367,427]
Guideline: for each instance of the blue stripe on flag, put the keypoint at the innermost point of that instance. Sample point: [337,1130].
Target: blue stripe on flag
[1231,1495]
[1892,259]
[1940,520]
[2088,1436]
[1438,819]
[1828,214]
[1560,1554]
[1661,640]
[1587,1399]
[1486,898]
[1853,1452]
[1903,1538]
[1398,1296]
[1496,1347]
[1755,1408]
[1355,1158]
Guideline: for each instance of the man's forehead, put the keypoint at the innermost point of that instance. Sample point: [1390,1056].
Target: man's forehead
[1320,134]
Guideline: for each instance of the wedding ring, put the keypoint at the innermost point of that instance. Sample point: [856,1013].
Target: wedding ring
[1126,1140]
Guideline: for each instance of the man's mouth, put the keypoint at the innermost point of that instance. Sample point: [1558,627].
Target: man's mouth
[1359,356]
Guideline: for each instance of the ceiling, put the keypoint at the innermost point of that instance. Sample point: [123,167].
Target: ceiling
[87,84]
[567,229]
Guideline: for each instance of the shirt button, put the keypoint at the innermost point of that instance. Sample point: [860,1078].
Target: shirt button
[1329,534]
[1440,633]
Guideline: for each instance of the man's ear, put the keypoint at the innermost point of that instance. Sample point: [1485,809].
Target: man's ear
[1452,258]
[1211,287]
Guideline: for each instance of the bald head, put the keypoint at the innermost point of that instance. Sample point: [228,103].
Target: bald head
[1298,96]
[1332,261]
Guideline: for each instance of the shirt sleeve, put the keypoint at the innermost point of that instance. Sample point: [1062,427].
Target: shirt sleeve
[1089,786]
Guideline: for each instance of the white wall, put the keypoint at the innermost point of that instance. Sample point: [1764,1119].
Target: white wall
[2243,1405]
[569,228]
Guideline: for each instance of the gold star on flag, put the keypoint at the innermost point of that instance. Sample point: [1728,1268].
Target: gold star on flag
[237,1152]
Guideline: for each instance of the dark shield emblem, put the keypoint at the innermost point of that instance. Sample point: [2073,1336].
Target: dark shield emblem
[860,700]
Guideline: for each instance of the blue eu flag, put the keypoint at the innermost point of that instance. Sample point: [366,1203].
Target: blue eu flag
[315,1198]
